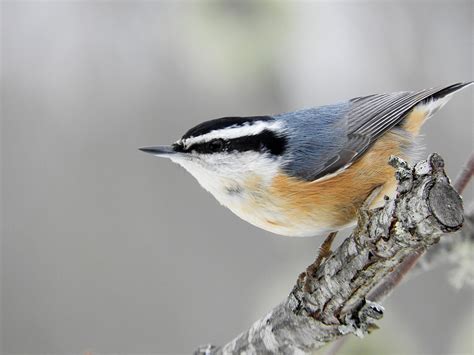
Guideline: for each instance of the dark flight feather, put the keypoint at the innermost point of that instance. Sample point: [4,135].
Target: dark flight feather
[371,116]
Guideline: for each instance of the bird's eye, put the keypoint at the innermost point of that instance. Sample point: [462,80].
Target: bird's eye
[216,145]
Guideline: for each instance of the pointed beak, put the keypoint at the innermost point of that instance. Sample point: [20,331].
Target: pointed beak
[160,150]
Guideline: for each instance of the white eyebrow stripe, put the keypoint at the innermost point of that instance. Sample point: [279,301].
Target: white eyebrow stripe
[234,132]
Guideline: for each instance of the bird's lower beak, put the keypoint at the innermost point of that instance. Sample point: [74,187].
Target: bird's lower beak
[160,150]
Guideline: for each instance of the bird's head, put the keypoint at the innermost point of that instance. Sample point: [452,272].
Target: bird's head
[222,154]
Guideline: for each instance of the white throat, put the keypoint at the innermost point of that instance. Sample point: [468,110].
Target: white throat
[226,176]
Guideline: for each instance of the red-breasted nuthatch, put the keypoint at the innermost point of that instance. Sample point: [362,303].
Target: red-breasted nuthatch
[306,172]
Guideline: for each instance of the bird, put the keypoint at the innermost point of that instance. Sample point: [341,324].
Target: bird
[307,172]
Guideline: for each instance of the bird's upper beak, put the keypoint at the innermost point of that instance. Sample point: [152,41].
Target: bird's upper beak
[164,151]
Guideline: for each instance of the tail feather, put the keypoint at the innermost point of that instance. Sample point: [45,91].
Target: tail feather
[429,106]
[441,97]
[449,90]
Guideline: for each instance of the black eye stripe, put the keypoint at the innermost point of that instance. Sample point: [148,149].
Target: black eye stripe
[217,145]
[265,141]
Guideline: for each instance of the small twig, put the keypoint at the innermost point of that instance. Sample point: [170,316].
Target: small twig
[465,175]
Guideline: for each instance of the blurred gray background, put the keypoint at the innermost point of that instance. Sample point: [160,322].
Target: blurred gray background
[111,250]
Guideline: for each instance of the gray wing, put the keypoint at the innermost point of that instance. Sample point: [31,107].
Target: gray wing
[369,117]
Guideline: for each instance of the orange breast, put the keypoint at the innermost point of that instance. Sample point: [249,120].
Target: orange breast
[334,202]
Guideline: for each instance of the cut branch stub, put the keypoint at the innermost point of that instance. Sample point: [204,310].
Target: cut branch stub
[446,206]
[337,299]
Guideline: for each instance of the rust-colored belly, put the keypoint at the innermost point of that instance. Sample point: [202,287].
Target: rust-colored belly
[332,203]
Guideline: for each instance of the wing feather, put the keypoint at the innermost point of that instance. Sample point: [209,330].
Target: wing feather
[371,116]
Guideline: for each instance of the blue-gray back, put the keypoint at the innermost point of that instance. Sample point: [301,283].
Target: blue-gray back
[326,139]
[314,135]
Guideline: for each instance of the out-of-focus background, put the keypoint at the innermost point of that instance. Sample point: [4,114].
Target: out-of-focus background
[111,250]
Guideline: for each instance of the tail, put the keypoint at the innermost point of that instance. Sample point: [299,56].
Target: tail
[430,105]
[449,90]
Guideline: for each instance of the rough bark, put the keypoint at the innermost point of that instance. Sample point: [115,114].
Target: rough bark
[342,291]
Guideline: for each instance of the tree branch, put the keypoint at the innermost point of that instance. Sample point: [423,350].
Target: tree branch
[340,297]
[446,245]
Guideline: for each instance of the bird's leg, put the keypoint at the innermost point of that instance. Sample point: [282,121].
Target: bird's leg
[324,252]
[325,248]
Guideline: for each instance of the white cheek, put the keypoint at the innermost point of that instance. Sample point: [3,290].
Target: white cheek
[222,174]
